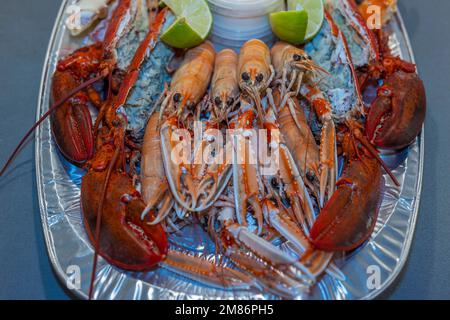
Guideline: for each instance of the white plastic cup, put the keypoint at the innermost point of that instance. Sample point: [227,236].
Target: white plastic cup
[236,21]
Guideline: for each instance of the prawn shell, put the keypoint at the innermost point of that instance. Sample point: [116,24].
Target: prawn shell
[281,53]
[153,176]
[192,79]
[255,59]
[225,80]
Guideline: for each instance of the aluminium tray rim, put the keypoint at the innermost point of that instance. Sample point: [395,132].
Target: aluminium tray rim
[62,276]
[408,241]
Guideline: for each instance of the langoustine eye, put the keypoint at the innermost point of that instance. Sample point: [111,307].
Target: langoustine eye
[297,57]
[259,77]
[245,76]
[177,97]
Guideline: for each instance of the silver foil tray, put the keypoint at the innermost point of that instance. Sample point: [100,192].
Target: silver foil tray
[71,253]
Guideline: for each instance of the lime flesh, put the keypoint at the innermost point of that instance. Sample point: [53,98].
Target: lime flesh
[290,26]
[315,14]
[192,26]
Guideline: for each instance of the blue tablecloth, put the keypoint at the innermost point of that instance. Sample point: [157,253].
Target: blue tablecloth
[25,271]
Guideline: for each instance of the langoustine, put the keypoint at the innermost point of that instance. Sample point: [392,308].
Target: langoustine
[194,183]
[224,84]
[296,73]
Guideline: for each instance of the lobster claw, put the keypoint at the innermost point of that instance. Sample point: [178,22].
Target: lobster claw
[349,217]
[126,240]
[197,187]
[71,123]
[398,113]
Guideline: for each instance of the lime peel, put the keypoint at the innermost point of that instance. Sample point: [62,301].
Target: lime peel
[289,26]
[192,26]
[315,11]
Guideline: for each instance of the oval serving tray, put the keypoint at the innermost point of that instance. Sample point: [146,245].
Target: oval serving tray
[71,253]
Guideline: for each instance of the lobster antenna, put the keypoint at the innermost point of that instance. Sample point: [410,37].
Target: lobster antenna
[52,108]
[99,221]
[375,154]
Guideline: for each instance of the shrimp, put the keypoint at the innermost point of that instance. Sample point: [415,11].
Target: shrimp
[299,139]
[291,64]
[191,80]
[224,85]
[294,66]
[255,72]
[194,186]
[154,187]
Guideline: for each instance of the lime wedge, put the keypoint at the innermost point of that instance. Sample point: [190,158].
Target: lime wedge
[290,26]
[181,35]
[192,26]
[315,14]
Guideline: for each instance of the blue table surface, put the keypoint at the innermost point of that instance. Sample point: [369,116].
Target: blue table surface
[25,270]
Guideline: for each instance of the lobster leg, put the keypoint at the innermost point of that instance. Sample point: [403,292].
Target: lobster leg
[236,235]
[273,269]
[269,277]
[247,180]
[328,160]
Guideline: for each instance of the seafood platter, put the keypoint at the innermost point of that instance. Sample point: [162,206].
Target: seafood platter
[224,149]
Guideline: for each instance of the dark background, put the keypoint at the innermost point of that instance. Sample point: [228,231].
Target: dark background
[25,271]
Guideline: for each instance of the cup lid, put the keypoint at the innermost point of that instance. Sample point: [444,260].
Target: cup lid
[245,8]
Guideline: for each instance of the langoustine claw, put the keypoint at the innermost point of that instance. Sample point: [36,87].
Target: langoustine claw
[206,272]
[194,171]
